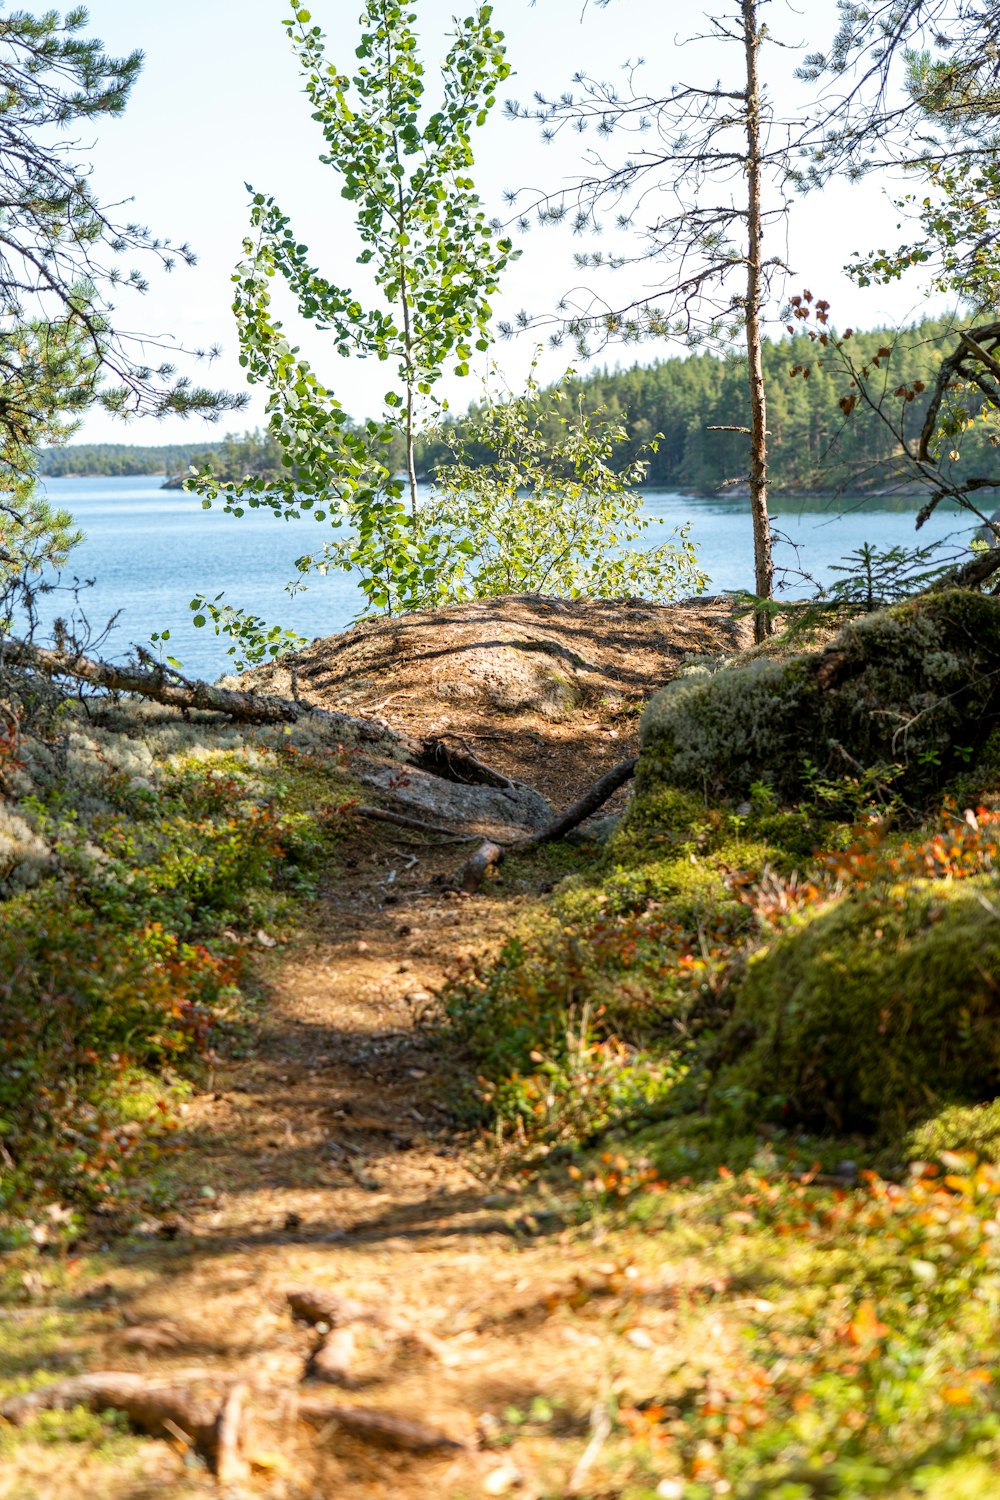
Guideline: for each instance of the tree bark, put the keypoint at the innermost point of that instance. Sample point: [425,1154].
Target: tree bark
[763,563]
[174,691]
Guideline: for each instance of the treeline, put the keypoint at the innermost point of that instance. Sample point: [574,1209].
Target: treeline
[231,458]
[115,459]
[814,445]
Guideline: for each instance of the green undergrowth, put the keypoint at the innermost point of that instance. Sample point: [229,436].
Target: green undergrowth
[140,855]
[837,1342]
[761,1030]
[797,928]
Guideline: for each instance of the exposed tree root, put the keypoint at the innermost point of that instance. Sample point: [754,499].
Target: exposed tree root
[212,1424]
[317,1306]
[490,853]
[230,1466]
[161,1410]
[333,1359]
[382,1428]
[399,820]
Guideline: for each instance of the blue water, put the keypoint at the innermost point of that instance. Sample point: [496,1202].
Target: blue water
[149,551]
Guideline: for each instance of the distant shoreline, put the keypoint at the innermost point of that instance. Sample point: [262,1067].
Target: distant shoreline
[175,482]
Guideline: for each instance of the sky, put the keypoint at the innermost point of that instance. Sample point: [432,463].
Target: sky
[219,106]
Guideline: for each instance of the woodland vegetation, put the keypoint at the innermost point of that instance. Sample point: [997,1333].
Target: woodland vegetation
[679,402]
[735,1047]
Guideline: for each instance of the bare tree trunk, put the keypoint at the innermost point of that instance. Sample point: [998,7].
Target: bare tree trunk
[411,467]
[763,564]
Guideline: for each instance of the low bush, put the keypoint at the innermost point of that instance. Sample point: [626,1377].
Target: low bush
[768,941]
[147,843]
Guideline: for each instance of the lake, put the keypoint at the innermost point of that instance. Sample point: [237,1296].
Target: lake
[149,551]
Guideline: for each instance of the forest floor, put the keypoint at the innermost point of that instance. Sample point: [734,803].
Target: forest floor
[566,1335]
[328,1155]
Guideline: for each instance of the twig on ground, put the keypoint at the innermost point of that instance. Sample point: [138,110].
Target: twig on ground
[399,820]
[600,1431]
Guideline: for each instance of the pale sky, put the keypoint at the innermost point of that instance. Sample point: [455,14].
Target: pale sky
[219,105]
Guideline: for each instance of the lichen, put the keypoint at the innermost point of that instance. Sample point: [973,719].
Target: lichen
[913,691]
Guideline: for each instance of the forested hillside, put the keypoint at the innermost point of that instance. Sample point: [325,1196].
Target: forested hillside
[686,398]
[116,459]
[231,457]
[813,445]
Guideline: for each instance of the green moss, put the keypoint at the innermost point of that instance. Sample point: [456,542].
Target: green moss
[910,694]
[958,1127]
[870,1015]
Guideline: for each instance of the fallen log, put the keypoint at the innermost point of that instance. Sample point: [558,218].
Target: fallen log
[169,688]
[478,794]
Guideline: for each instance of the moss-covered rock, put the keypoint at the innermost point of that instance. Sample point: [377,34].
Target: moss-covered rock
[912,692]
[872,1014]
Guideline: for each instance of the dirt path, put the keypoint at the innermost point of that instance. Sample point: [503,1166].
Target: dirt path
[333,1163]
[328,1157]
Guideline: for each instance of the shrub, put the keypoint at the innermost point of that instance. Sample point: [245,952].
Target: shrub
[146,840]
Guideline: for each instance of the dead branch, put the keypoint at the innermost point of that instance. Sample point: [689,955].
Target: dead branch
[972,574]
[489,854]
[591,800]
[147,682]
[979,343]
[174,691]
[487,857]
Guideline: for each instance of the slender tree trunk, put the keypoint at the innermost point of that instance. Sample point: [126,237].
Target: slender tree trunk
[411,467]
[763,564]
